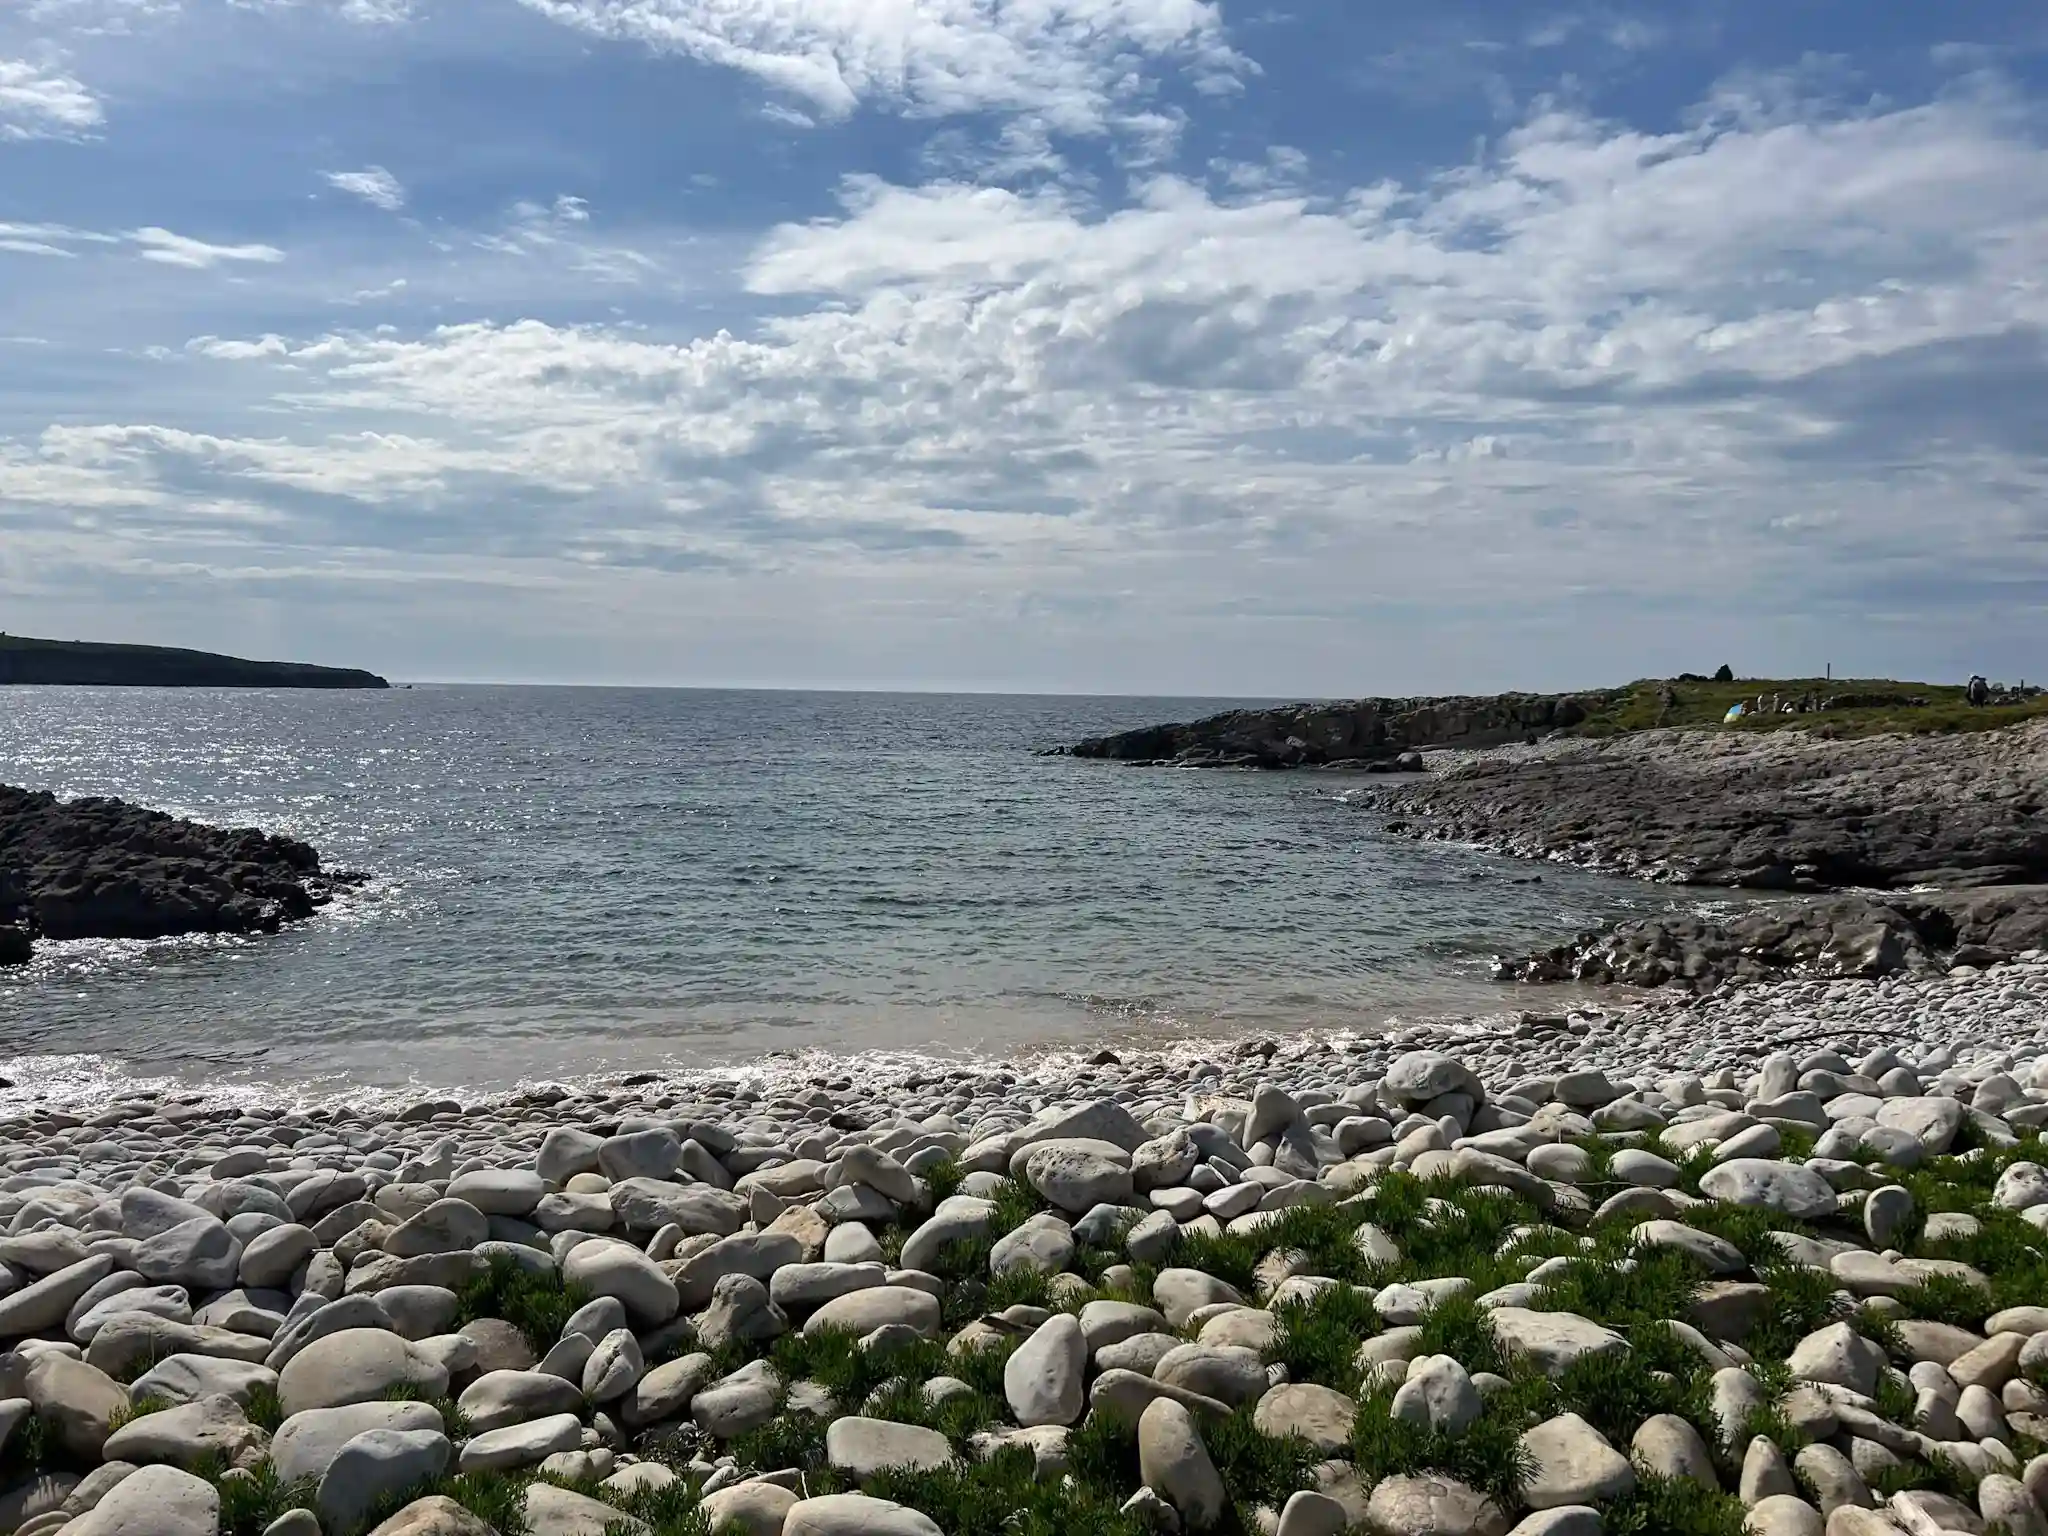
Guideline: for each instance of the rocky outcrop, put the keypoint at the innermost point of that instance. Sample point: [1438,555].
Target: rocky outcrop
[1861,936]
[105,869]
[1359,733]
[85,663]
[1782,810]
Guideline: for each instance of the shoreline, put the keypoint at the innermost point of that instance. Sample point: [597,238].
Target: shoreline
[1625,1030]
[1752,1257]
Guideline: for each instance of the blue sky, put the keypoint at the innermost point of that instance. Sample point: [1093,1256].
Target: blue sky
[1104,345]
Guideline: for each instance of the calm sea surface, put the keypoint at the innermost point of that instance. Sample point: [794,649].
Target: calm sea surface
[573,881]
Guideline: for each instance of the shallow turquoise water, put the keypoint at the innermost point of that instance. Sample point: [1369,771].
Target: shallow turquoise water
[574,880]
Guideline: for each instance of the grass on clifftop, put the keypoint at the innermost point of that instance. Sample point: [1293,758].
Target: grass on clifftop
[1946,712]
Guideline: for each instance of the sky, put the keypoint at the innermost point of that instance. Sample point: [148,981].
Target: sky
[1276,348]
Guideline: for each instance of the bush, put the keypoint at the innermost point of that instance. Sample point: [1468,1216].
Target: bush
[538,1305]
[1318,1338]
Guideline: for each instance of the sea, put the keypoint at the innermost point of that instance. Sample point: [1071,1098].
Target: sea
[570,883]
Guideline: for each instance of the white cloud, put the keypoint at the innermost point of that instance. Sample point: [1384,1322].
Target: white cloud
[37,103]
[373,184]
[1595,360]
[175,250]
[1079,63]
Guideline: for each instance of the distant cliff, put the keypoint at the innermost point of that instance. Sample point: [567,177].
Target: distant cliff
[84,663]
[1356,732]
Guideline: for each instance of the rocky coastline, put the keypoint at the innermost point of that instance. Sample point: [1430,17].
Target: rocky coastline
[1770,1262]
[1867,936]
[100,868]
[1783,810]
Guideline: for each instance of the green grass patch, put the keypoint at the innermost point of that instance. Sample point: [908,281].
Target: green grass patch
[1933,1474]
[538,1305]
[1672,1506]
[1658,1285]
[1003,1497]
[1318,1338]
[1459,1327]
[1488,1455]
[1946,1299]
[1802,1301]
[251,1502]
[1257,1468]
[1945,710]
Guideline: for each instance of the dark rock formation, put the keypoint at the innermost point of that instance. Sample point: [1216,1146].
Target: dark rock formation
[105,869]
[1783,810]
[89,664]
[1868,936]
[1353,734]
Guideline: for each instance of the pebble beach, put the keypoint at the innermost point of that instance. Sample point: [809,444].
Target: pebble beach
[1772,1260]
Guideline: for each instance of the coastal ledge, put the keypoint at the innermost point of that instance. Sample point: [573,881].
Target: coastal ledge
[87,663]
[1772,810]
[99,868]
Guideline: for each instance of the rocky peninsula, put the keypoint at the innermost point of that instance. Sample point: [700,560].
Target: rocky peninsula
[85,663]
[99,868]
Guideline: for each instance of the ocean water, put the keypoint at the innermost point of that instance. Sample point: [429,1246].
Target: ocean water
[569,882]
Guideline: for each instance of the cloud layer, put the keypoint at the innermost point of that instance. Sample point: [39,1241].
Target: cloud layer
[1770,366]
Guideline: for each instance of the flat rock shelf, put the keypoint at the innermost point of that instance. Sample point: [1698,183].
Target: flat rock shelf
[1774,1261]
[99,868]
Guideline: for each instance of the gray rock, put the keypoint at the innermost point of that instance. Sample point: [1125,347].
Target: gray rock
[1574,1464]
[1228,1374]
[1044,1379]
[307,1443]
[1789,1188]
[156,1501]
[357,1365]
[552,1511]
[1308,1513]
[1430,1505]
[862,1312]
[855,1514]
[436,1515]
[698,1209]
[613,1367]
[190,1434]
[1668,1446]
[665,1391]
[272,1257]
[1784,1514]
[499,1191]
[1174,1463]
[863,1447]
[754,1509]
[1838,1354]
[499,1398]
[446,1226]
[172,1302]
[650,1154]
[40,1307]
[187,1378]
[1553,1340]
[1316,1414]
[521,1445]
[959,1218]
[76,1400]
[1042,1245]
[745,1400]
[1438,1394]
[374,1466]
[604,1267]
[1180,1293]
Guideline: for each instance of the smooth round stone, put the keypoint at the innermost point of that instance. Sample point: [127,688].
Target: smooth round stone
[375,1465]
[357,1365]
[753,1509]
[855,1514]
[154,1501]
[1318,1415]
[1043,1379]
[862,1312]
[1174,1463]
[306,1444]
